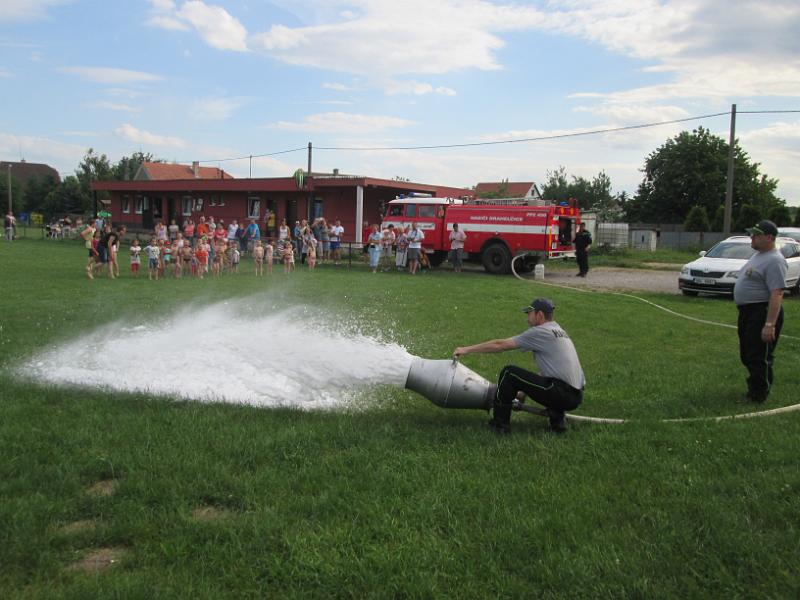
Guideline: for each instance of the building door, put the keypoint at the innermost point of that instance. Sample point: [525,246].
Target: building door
[171,214]
[291,212]
[147,213]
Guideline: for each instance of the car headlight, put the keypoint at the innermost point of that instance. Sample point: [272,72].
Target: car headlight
[685,270]
[732,274]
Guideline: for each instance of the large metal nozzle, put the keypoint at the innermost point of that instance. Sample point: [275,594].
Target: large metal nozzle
[449,384]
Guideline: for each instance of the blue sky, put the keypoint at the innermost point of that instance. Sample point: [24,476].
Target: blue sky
[204,80]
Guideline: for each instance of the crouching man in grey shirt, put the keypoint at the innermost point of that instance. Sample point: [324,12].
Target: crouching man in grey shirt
[758,294]
[560,381]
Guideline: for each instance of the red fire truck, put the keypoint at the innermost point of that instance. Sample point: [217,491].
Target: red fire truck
[497,230]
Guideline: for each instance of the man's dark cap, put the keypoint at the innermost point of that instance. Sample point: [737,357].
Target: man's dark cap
[763,227]
[543,304]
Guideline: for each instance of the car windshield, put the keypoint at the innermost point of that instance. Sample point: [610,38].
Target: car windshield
[791,234]
[731,250]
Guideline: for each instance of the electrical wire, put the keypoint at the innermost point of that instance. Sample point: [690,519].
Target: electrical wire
[500,142]
[532,139]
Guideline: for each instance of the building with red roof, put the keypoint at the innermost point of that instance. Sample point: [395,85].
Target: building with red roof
[355,200]
[156,171]
[509,189]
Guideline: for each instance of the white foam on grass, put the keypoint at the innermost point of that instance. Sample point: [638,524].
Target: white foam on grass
[231,352]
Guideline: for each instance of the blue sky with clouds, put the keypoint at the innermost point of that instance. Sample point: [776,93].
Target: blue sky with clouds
[203,80]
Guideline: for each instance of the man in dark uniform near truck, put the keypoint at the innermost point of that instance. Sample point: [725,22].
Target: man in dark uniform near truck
[560,381]
[758,294]
[582,241]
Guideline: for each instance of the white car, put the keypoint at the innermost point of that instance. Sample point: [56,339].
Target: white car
[792,232]
[715,272]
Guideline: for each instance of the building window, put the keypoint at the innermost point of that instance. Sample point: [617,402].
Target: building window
[253,207]
[317,206]
[198,205]
[186,206]
[220,200]
[126,204]
[139,207]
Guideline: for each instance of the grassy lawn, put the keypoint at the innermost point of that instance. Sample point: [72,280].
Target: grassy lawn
[398,498]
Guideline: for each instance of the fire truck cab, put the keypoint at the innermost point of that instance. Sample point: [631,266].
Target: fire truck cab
[497,230]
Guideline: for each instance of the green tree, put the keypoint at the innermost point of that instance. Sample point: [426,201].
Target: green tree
[594,194]
[691,169]
[93,167]
[17,203]
[718,224]
[780,215]
[125,169]
[796,222]
[749,215]
[36,191]
[68,197]
[697,219]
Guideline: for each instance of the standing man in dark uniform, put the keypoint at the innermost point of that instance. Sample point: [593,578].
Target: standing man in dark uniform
[560,381]
[758,294]
[582,241]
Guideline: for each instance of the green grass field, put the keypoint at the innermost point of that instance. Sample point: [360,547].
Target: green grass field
[400,498]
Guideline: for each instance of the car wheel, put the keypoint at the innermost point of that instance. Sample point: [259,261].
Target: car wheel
[689,293]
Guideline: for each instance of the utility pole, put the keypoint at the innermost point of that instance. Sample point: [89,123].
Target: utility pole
[9,189]
[726,227]
[309,186]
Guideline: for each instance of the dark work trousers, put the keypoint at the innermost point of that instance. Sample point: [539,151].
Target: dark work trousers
[583,261]
[754,353]
[555,394]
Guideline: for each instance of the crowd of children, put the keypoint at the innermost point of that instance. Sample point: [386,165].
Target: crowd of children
[170,252]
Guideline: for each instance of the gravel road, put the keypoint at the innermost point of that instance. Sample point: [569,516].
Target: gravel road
[609,278]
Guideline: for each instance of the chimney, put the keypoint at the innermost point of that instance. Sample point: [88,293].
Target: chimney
[196,169]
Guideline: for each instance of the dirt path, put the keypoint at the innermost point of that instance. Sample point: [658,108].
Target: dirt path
[610,278]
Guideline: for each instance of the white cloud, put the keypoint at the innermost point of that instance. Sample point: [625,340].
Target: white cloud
[26,10]
[636,114]
[63,157]
[217,109]
[167,22]
[4,72]
[338,87]
[111,76]
[333,122]
[214,24]
[103,104]
[280,37]
[416,88]
[391,38]
[132,134]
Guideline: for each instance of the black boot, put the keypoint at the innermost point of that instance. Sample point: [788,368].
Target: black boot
[501,418]
[558,423]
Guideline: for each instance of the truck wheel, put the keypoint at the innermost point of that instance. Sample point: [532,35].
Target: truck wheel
[497,259]
[437,258]
[526,264]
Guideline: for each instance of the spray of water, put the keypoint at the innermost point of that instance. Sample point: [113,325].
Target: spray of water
[230,352]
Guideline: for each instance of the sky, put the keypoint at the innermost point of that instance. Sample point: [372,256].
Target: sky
[213,80]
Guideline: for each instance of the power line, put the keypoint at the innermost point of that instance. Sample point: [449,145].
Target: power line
[248,156]
[499,142]
[532,139]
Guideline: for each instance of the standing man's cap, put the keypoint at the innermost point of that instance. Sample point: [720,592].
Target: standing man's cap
[543,304]
[763,227]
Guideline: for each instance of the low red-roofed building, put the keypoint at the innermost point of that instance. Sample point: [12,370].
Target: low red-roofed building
[355,200]
[155,171]
[509,189]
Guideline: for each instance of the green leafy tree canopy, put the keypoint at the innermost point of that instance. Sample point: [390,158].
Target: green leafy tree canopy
[691,169]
